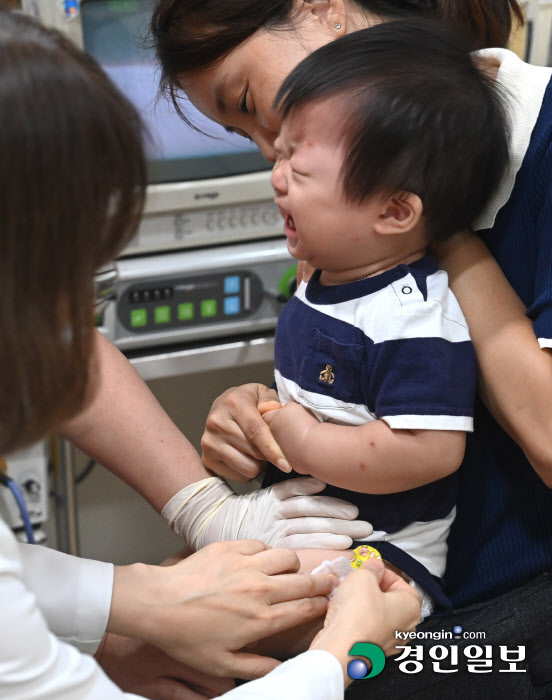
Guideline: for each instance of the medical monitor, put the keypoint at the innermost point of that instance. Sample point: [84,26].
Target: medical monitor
[206,186]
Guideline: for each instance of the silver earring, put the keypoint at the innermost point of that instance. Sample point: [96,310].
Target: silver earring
[337,26]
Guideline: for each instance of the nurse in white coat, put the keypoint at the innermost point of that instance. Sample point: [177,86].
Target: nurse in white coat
[72,186]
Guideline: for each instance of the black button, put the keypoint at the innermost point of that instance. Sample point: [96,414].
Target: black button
[134,297]
[167,292]
[146,295]
[156,294]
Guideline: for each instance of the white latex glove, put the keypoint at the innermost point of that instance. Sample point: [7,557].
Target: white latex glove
[282,515]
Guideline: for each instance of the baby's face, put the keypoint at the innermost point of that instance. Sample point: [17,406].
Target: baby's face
[321,227]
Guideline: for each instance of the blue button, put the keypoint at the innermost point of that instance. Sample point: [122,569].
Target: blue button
[232,284]
[232,305]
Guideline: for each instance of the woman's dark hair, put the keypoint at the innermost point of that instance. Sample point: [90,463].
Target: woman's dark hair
[189,35]
[73,182]
[415,115]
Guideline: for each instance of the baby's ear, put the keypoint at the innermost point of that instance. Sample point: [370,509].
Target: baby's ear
[399,213]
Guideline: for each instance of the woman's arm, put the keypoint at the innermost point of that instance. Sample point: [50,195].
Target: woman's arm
[145,670]
[206,607]
[125,429]
[515,372]
[35,664]
[370,458]
[74,597]
[373,603]
[204,594]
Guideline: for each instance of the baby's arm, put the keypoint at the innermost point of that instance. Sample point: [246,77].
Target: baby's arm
[371,458]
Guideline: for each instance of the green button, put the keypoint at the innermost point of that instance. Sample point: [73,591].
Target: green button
[138,317]
[162,314]
[185,311]
[209,308]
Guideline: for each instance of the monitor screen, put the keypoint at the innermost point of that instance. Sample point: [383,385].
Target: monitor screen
[114,33]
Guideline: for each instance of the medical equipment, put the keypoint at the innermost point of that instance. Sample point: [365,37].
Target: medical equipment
[25,509]
[212,195]
[12,486]
[199,294]
[204,189]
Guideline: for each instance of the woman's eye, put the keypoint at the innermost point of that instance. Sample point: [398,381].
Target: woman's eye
[238,132]
[243,103]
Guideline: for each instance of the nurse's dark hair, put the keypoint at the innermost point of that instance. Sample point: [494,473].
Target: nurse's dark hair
[413,113]
[189,35]
[73,182]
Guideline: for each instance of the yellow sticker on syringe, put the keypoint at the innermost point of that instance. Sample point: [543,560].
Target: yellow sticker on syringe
[362,554]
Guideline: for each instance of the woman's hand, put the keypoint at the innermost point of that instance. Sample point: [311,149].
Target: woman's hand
[145,670]
[202,611]
[140,668]
[371,605]
[237,442]
[238,438]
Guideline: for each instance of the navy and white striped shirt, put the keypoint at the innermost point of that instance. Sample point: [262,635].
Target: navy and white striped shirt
[392,347]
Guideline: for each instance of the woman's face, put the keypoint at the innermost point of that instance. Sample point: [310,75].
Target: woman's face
[239,91]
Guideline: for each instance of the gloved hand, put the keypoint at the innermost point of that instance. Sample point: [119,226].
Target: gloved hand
[282,515]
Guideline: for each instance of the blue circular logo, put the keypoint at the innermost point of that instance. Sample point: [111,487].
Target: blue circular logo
[457,629]
[357,669]
[371,652]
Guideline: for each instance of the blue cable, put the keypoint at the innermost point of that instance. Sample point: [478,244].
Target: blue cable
[14,488]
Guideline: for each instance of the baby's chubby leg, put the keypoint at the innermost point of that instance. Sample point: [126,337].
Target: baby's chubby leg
[311,558]
[296,640]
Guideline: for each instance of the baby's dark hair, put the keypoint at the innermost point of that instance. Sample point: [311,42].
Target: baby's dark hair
[417,116]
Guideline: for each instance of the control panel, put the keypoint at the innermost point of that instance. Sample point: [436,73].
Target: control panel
[190,301]
[190,296]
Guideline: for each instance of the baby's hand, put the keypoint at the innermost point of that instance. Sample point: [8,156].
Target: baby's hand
[290,426]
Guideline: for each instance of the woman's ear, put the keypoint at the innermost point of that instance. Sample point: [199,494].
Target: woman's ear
[329,13]
[399,213]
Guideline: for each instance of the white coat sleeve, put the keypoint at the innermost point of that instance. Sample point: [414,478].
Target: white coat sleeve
[36,665]
[73,594]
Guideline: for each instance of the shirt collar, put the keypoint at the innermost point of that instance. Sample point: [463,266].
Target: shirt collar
[318,293]
[524,86]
